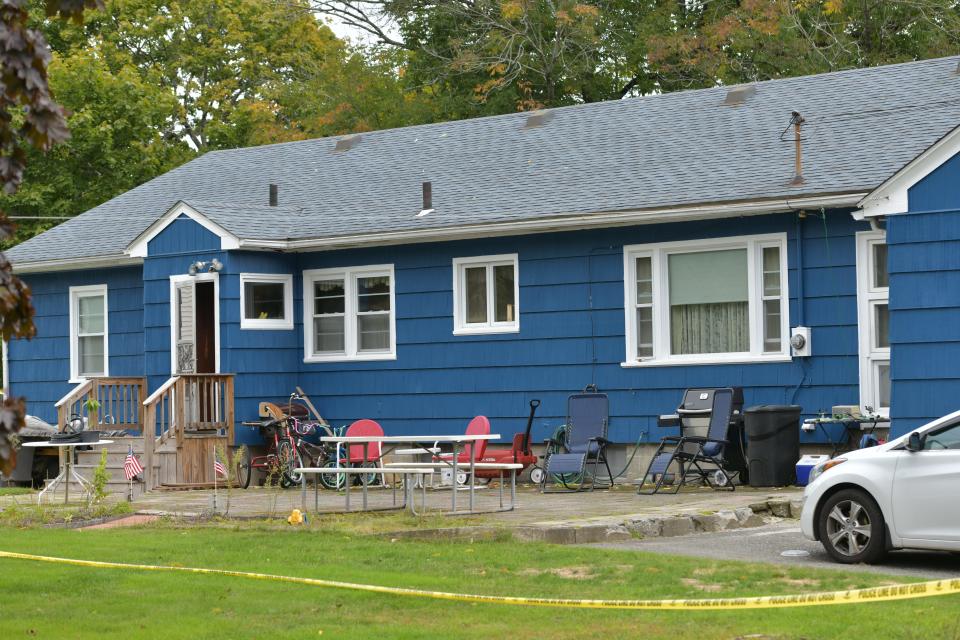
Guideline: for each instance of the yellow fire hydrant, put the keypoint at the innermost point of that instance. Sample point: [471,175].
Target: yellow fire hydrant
[297,517]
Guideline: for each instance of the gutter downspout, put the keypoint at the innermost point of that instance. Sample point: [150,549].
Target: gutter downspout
[800,298]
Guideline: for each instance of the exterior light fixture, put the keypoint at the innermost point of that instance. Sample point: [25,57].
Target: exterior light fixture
[213,266]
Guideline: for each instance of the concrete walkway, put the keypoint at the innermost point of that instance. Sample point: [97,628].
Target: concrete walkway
[614,514]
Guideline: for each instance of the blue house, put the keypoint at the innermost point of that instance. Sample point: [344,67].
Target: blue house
[423,275]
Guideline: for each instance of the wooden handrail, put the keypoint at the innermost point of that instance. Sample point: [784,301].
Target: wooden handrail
[159,392]
[76,393]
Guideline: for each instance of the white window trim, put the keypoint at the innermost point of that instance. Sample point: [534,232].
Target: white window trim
[349,276]
[658,253]
[869,296]
[460,325]
[256,323]
[174,322]
[75,294]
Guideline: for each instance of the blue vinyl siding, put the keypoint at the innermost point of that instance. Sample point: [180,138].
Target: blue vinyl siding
[40,368]
[924,317]
[571,331]
[924,265]
[266,361]
[183,236]
[937,191]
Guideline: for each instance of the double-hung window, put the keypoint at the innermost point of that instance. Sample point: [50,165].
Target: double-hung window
[266,301]
[486,294]
[706,301]
[88,332]
[873,297]
[349,314]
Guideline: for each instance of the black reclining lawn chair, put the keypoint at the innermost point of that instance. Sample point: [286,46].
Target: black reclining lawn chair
[588,415]
[698,459]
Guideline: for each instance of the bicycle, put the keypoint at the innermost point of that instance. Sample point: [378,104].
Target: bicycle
[282,455]
[319,455]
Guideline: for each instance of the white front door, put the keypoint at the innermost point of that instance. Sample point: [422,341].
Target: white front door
[926,502]
[873,321]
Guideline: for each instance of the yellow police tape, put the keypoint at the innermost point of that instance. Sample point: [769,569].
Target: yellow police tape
[852,596]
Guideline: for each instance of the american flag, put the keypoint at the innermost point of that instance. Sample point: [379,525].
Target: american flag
[131,466]
[218,467]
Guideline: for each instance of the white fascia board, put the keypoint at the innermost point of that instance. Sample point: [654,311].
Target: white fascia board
[891,197]
[75,264]
[138,248]
[558,223]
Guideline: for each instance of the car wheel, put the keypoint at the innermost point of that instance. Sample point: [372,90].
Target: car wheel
[851,528]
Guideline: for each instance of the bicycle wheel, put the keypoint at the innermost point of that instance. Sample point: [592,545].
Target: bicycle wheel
[371,477]
[242,460]
[288,459]
[332,481]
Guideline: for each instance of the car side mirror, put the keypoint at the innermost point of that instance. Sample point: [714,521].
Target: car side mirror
[915,441]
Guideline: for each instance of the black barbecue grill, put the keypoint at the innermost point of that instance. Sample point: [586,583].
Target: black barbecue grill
[693,418]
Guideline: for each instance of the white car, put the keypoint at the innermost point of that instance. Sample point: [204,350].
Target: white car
[904,494]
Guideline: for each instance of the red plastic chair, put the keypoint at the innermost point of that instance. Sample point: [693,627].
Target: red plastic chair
[364,428]
[478,426]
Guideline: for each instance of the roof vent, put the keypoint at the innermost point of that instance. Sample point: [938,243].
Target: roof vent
[796,121]
[427,200]
[347,142]
[537,119]
[956,71]
[738,95]
[273,195]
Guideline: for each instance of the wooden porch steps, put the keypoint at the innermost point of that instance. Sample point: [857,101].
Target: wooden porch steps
[192,413]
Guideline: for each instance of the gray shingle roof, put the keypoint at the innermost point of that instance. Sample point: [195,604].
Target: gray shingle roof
[650,152]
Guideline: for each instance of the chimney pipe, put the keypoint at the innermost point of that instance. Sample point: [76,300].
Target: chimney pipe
[797,120]
[427,196]
[273,195]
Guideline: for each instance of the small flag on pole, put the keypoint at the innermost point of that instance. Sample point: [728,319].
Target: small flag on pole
[131,466]
[218,467]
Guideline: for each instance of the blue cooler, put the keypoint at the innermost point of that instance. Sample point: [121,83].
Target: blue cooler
[805,465]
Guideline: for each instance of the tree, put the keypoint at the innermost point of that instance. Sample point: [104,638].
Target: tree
[117,123]
[29,118]
[490,56]
[536,52]
[214,56]
[751,40]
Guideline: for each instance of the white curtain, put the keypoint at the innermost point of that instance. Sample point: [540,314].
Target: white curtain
[709,328]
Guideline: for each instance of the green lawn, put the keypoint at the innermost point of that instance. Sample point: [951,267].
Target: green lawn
[49,601]
[15,491]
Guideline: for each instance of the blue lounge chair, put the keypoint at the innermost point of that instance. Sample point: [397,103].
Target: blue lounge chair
[588,415]
[697,459]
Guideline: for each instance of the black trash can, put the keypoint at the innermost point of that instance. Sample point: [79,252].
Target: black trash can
[773,444]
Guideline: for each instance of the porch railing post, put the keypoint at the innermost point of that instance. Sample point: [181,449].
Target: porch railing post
[228,405]
[149,439]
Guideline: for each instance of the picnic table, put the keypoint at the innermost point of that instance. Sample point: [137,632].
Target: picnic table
[512,467]
[456,443]
[363,472]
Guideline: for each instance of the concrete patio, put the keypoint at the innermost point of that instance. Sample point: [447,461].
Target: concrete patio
[613,514]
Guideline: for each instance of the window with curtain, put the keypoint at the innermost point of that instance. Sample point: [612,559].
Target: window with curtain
[88,332]
[349,314]
[709,308]
[485,293]
[720,299]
